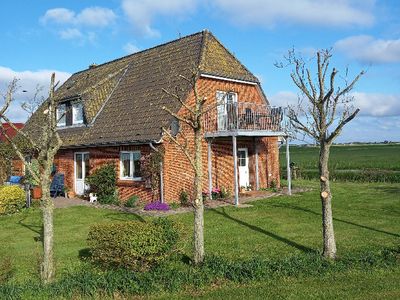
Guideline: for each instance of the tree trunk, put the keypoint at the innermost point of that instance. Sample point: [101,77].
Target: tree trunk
[326,200]
[47,269]
[198,201]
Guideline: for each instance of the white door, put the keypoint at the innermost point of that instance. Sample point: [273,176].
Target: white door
[81,171]
[243,163]
[225,108]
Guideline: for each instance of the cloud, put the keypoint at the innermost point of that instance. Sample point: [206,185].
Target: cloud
[377,104]
[370,104]
[70,25]
[58,15]
[92,16]
[28,82]
[141,13]
[130,48]
[367,49]
[283,98]
[326,13]
[70,33]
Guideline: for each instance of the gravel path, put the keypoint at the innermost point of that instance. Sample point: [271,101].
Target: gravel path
[245,198]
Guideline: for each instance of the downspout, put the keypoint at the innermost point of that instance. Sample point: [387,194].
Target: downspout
[161,174]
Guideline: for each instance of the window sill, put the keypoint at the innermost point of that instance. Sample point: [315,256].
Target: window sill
[70,126]
[130,182]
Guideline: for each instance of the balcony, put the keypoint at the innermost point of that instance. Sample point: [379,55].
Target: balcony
[246,119]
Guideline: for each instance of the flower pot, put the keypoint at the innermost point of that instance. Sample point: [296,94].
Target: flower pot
[37,192]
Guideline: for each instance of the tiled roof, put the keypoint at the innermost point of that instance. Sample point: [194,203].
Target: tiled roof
[123,98]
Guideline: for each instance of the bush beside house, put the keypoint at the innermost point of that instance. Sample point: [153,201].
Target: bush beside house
[132,245]
[103,182]
[12,199]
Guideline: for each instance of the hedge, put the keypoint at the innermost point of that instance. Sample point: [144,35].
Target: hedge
[133,245]
[12,199]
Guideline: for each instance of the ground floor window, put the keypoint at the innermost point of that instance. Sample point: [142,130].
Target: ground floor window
[130,165]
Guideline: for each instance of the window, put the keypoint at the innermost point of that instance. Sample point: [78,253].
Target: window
[77,113]
[61,115]
[226,97]
[130,165]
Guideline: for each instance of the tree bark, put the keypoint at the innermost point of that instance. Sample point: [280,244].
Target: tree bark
[328,233]
[47,269]
[198,200]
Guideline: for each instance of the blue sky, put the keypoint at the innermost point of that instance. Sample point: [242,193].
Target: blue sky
[38,37]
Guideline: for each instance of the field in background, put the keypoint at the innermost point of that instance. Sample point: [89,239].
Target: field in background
[379,162]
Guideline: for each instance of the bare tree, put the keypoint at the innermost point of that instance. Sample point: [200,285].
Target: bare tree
[192,118]
[326,109]
[44,146]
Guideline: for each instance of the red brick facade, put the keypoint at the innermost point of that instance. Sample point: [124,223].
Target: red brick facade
[99,156]
[177,173]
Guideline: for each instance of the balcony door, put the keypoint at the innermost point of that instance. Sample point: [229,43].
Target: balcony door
[226,110]
[82,166]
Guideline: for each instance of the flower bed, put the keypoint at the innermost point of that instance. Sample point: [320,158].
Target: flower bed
[157,206]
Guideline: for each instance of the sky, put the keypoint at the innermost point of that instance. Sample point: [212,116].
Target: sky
[38,37]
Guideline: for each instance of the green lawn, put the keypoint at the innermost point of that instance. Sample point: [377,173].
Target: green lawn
[366,217]
[355,157]
[378,284]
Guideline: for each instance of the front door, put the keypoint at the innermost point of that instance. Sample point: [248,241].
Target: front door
[243,163]
[81,171]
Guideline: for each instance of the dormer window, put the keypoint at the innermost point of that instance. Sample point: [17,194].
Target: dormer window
[77,113]
[61,115]
[70,113]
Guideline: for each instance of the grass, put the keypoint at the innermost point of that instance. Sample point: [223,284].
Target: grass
[379,284]
[355,157]
[365,219]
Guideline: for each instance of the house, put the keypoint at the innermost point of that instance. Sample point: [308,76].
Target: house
[9,131]
[112,112]
[8,168]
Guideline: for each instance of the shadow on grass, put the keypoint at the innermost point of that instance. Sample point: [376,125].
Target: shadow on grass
[84,253]
[34,228]
[395,190]
[265,232]
[290,206]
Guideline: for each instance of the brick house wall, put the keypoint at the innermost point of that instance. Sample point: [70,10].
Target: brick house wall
[99,156]
[178,174]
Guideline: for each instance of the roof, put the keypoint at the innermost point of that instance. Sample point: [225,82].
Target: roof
[123,98]
[9,131]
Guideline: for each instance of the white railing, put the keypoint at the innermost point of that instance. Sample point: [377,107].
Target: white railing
[246,116]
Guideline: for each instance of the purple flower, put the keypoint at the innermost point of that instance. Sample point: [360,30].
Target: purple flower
[157,205]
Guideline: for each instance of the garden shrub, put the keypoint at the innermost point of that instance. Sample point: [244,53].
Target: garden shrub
[157,205]
[184,198]
[224,193]
[133,245]
[12,199]
[103,182]
[132,201]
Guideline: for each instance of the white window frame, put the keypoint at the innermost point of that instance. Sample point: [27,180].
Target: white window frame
[74,109]
[61,124]
[131,165]
[222,95]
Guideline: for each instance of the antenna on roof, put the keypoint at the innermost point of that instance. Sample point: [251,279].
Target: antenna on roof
[179,34]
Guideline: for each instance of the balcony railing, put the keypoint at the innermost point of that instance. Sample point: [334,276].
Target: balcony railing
[246,117]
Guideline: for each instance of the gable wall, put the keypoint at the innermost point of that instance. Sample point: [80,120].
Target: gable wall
[178,174]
